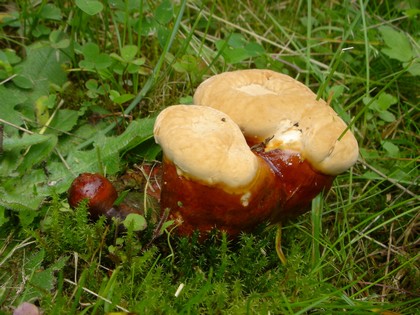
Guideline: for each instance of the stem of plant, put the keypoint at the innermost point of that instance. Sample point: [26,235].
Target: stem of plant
[279,249]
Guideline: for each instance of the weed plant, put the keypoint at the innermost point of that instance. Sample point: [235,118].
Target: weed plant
[80,85]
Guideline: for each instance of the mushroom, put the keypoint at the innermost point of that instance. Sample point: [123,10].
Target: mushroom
[101,196]
[257,146]
[97,190]
[301,137]
[210,176]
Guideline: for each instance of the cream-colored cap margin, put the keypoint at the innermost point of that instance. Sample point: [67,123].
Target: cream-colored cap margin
[206,145]
[269,105]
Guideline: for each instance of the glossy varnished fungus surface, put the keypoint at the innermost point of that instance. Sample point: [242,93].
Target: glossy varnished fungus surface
[197,206]
[298,181]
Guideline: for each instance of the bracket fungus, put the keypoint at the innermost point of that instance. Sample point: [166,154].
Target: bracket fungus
[257,146]
[210,176]
[301,137]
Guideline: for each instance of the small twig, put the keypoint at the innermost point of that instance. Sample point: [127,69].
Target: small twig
[64,161]
[389,248]
[24,243]
[389,287]
[393,181]
[16,126]
[6,243]
[8,79]
[44,128]
[146,187]
[297,68]
[97,295]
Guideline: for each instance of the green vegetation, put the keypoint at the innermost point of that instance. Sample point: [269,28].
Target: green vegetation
[80,84]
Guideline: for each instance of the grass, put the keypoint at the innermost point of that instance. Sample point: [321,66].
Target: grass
[78,76]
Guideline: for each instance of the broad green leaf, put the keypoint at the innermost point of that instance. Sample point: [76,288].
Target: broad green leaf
[254,49]
[387,116]
[5,67]
[40,30]
[40,280]
[129,52]
[93,57]
[164,12]
[369,154]
[42,113]
[121,99]
[110,148]
[391,149]
[10,56]
[10,98]
[42,66]
[59,39]
[135,221]
[411,13]
[90,7]
[27,217]
[149,150]
[117,57]
[186,64]
[371,175]
[9,162]
[187,100]
[414,68]
[36,185]
[163,34]
[35,260]
[135,67]
[24,142]
[23,82]
[51,12]
[236,40]
[20,154]
[13,199]
[64,120]
[398,45]
[91,84]
[385,100]
[102,61]
[38,153]
[88,65]
[234,55]
[139,61]
[90,50]
[236,49]
[16,202]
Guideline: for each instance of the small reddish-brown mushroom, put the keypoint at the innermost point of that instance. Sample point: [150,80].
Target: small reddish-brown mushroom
[95,188]
[101,195]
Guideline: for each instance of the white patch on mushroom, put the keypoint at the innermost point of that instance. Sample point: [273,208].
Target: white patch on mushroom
[245,199]
[255,89]
[287,136]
